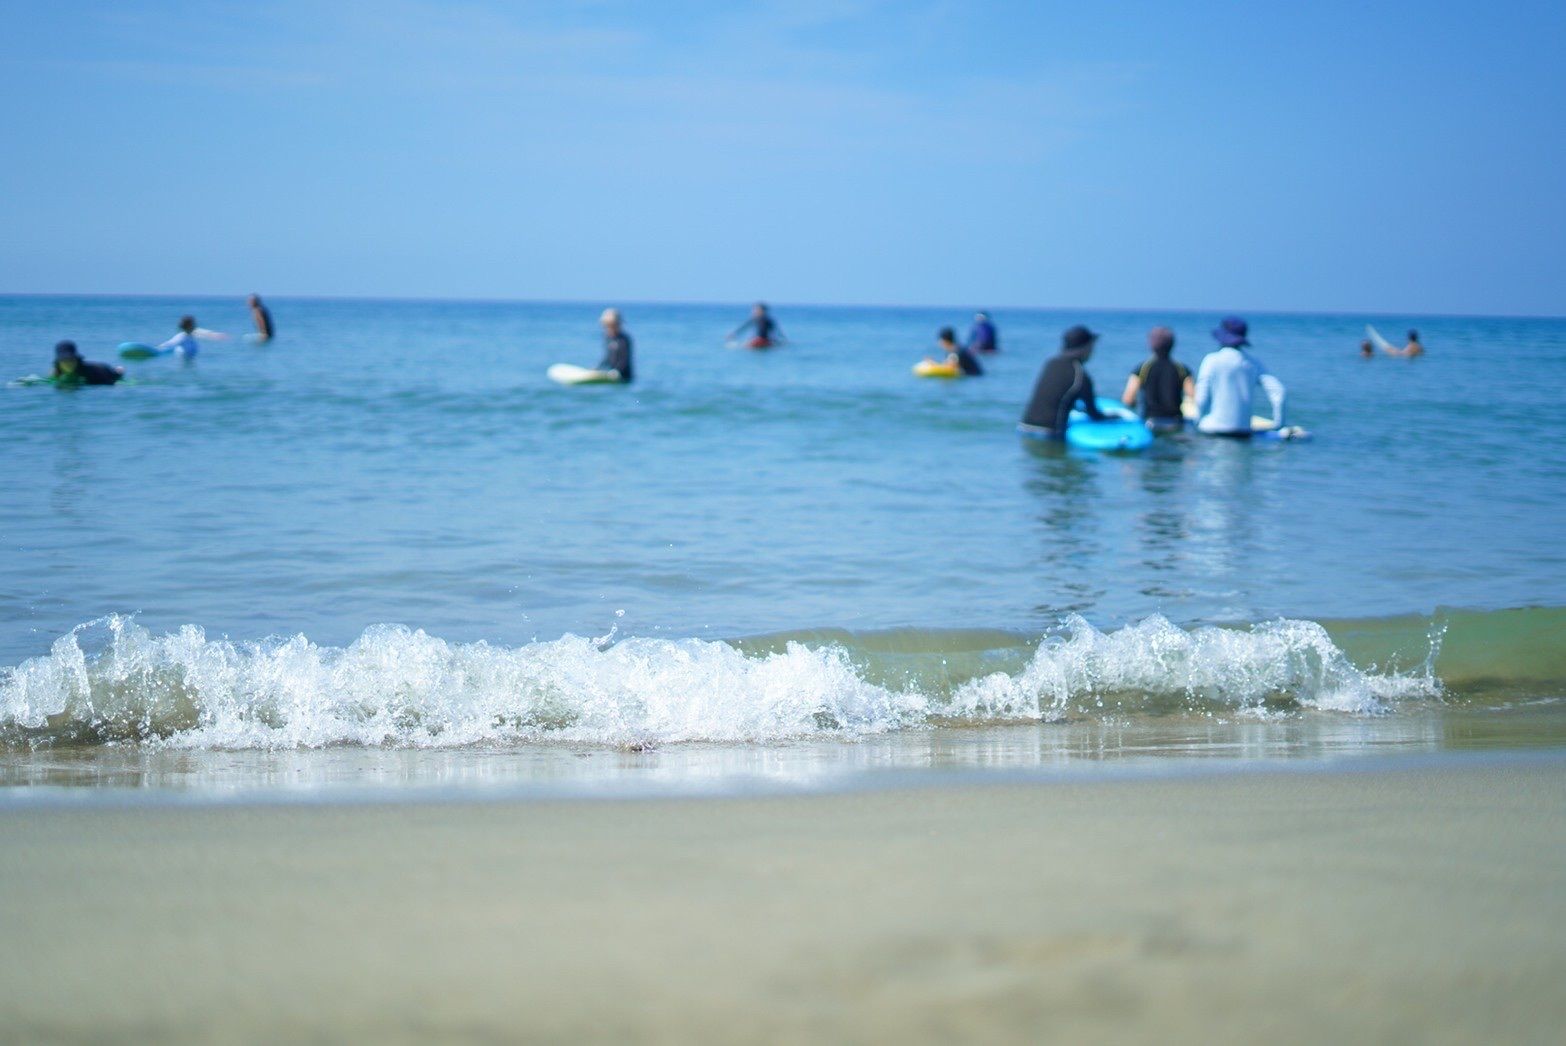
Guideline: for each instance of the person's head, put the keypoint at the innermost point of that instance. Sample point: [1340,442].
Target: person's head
[1413,336]
[947,336]
[759,309]
[610,320]
[1078,341]
[1232,333]
[981,317]
[66,357]
[1366,349]
[1161,341]
[187,323]
[254,301]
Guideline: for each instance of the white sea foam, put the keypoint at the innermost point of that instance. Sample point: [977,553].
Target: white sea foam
[113,681]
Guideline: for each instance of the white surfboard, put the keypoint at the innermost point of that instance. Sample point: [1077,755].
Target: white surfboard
[570,374]
[1380,342]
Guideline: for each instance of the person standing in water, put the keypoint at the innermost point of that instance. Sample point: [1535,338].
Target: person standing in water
[71,369]
[1063,384]
[1226,380]
[982,336]
[617,345]
[956,355]
[1160,384]
[185,343]
[1412,349]
[768,333]
[262,317]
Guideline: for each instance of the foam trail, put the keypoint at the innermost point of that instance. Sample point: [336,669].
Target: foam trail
[112,681]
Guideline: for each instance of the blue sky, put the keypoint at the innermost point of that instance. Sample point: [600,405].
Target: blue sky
[1399,157]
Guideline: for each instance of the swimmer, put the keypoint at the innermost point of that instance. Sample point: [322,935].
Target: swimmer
[71,369]
[1063,384]
[1412,349]
[1160,384]
[1367,351]
[956,355]
[768,333]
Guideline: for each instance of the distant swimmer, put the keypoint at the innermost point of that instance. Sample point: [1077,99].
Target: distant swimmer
[617,345]
[1063,384]
[768,333]
[1412,349]
[1367,351]
[956,356]
[71,369]
[982,336]
[187,341]
[1226,380]
[262,317]
[1158,386]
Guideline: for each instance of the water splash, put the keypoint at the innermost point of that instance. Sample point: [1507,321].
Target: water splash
[112,681]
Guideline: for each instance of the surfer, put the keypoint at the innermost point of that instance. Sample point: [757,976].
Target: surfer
[262,317]
[1062,384]
[71,369]
[1160,383]
[617,345]
[1226,379]
[768,333]
[982,336]
[957,355]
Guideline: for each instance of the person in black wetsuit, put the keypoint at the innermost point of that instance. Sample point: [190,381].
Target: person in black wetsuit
[71,369]
[1062,385]
[617,345]
[768,333]
[956,355]
[262,316]
[1160,384]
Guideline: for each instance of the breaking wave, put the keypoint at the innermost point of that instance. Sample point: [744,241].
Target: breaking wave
[111,681]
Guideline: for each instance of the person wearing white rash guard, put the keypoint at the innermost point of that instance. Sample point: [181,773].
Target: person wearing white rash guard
[1226,380]
[188,341]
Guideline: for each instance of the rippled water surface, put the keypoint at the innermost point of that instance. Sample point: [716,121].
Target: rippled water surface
[408,464]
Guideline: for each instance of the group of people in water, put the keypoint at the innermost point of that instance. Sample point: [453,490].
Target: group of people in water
[1163,391]
[71,369]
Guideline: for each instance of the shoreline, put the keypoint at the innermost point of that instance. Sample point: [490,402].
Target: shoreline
[1396,902]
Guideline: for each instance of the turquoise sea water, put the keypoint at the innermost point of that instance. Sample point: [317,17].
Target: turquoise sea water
[387,528]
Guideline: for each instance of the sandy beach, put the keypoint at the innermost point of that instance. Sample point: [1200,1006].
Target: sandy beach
[1420,901]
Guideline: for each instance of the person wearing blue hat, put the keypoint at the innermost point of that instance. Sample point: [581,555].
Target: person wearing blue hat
[982,337]
[1226,380]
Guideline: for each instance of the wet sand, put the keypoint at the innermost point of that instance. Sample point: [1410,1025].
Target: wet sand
[1419,901]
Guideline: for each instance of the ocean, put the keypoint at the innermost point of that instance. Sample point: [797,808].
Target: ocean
[384,552]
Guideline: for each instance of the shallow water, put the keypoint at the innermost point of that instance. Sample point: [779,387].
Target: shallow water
[897,557]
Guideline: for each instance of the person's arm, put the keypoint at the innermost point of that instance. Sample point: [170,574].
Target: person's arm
[1088,400]
[1133,386]
[206,335]
[1204,387]
[174,342]
[1275,392]
[737,331]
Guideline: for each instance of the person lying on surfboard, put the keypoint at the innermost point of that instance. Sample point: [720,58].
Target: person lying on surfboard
[1063,384]
[1158,385]
[768,333]
[71,369]
[956,355]
[617,345]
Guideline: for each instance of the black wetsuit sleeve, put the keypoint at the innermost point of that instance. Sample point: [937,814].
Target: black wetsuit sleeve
[617,356]
[1088,400]
[99,374]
